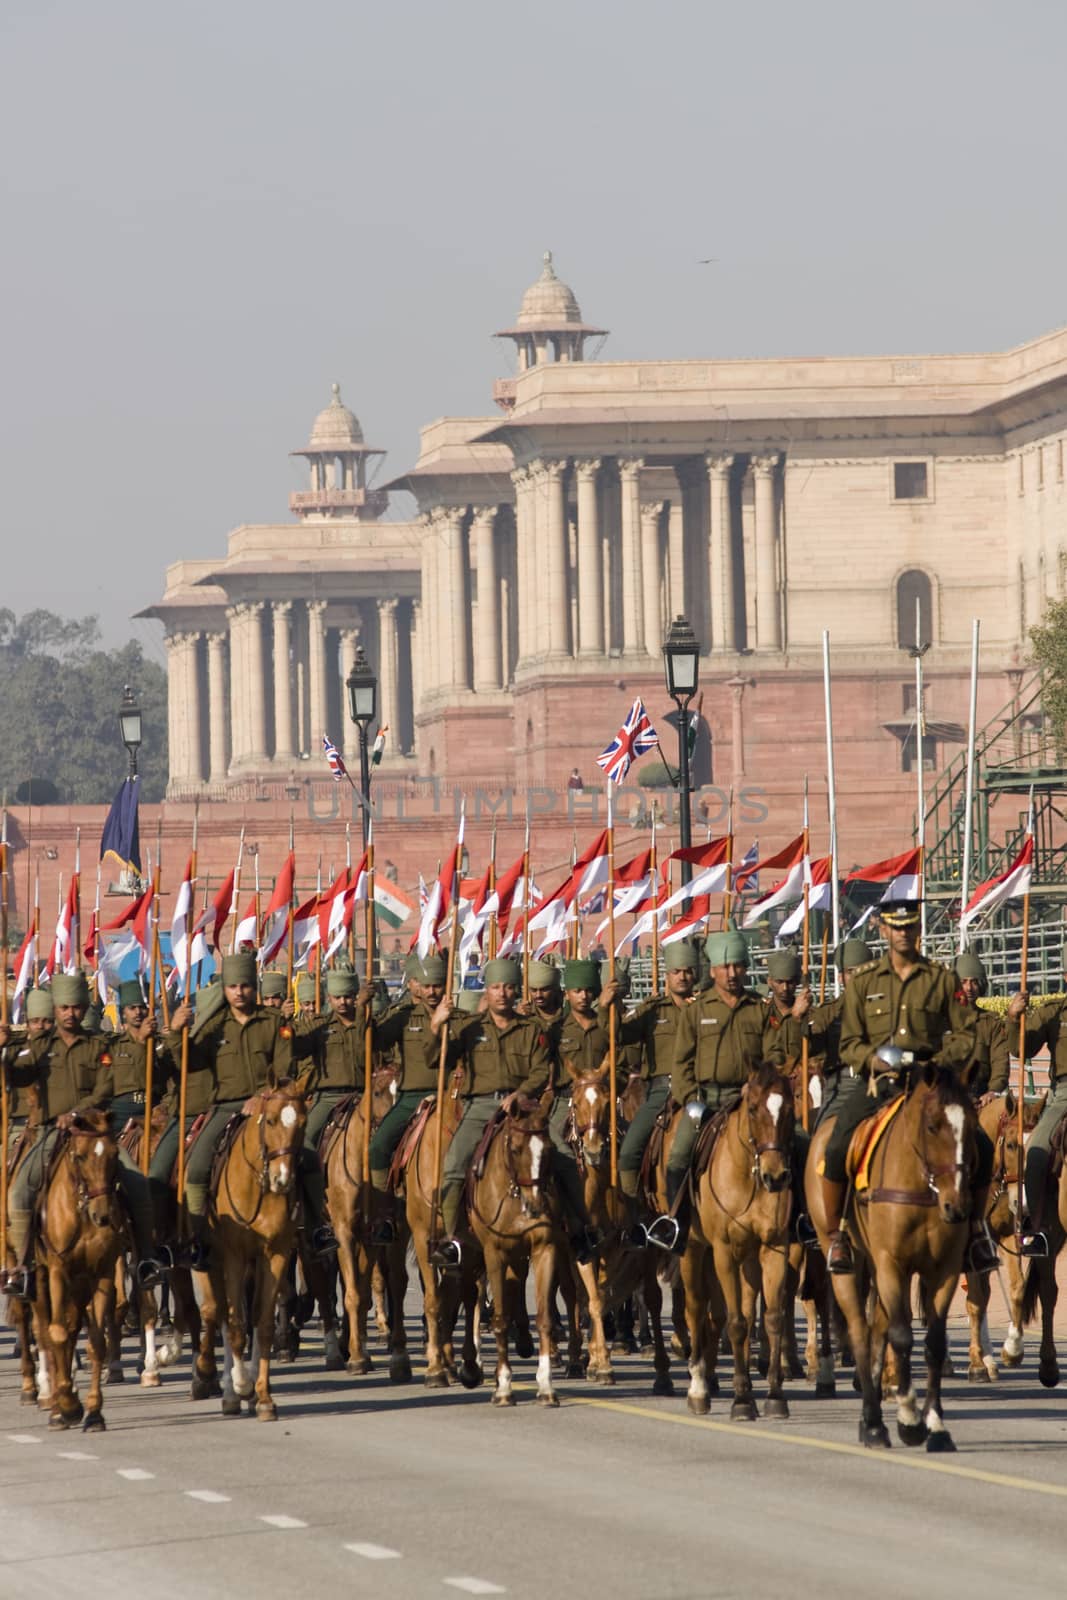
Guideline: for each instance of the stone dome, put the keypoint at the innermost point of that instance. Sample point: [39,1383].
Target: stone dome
[548,302]
[336,428]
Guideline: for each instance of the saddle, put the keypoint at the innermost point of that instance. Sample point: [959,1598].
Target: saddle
[190,1139]
[230,1134]
[19,1149]
[865,1141]
[335,1126]
[654,1151]
[132,1135]
[409,1143]
[707,1140]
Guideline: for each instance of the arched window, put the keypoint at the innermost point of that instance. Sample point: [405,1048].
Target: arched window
[913,589]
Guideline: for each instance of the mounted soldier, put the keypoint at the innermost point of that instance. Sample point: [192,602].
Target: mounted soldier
[987,1071]
[824,1032]
[785,1006]
[1044,1028]
[338,1042]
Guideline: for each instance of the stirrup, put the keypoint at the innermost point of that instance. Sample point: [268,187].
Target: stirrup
[383,1231]
[981,1253]
[148,1273]
[805,1231]
[192,1253]
[323,1241]
[663,1231]
[447,1254]
[584,1242]
[1033,1243]
[19,1282]
[839,1260]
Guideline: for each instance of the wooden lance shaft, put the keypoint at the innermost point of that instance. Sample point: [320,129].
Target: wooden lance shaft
[442,1062]
[150,1045]
[5,1108]
[1021,1095]
[183,1075]
[613,1044]
[368,1030]
[804,1068]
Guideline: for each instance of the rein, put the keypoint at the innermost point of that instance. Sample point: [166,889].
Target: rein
[880,1195]
[262,1170]
[516,1185]
[747,1146]
[67,1158]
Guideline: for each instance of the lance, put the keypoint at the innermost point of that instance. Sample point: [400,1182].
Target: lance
[76,905]
[368,1032]
[203,920]
[825,957]
[150,1045]
[920,777]
[442,1056]
[289,952]
[236,901]
[526,911]
[183,1079]
[494,921]
[968,799]
[348,882]
[1024,988]
[805,957]
[5,1108]
[613,1048]
[831,799]
[727,892]
[318,946]
[655,914]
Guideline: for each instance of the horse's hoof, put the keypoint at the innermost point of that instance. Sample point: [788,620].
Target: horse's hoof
[647,1352]
[471,1375]
[231,1406]
[548,1398]
[502,1399]
[775,1407]
[1048,1374]
[606,1378]
[624,1347]
[947,1368]
[826,1390]
[978,1375]
[796,1368]
[911,1433]
[524,1345]
[743,1411]
[267,1411]
[335,1362]
[1011,1359]
[662,1383]
[58,1420]
[436,1380]
[28,1397]
[202,1388]
[940,1443]
[150,1380]
[94,1423]
[76,1412]
[400,1369]
[359,1365]
[115,1373]
[713,1384]
[699,1404]
[875,1437]
[575,1370]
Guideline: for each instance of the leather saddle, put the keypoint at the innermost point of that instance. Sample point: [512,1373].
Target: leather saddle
[335,1125]
[654,1151]
[132,1133]
[865,1141]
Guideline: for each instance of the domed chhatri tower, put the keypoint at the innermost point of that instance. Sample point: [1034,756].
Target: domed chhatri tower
[548,328]
[338,459]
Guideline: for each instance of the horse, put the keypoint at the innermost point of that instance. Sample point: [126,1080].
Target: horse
[79,1231]
[350,1203]
[616,1273]
[161,1340]
[998,1116]
[252,1232]
[1041,1288]
[910,1222]
[513,1218]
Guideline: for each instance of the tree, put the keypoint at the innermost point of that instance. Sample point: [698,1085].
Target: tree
[59,700]
[1049,643]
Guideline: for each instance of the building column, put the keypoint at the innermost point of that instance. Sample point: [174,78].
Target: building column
[651,575]
[430,622]
[281,611]
[555,550]
[487,672]
[388,669]
[737,726]
[216,706]
[316,611]
[348,733]
[590,563]
[633,617]
[768,622]
[525,527]
[418,663]
[721,554]
[238,685]
[452,599]
[175,709]
[675,561]
[194,765]
[256,667]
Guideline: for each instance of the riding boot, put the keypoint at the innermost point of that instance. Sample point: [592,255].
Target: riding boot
[447,1252]
[18,1281]
[195,1252]
[839,1255]
[321,1237]
[383,1217]
[670,1230]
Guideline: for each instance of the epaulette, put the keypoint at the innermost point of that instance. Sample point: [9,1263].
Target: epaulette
[868,966]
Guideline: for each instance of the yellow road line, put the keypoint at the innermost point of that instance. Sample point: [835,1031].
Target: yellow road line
[891,1458]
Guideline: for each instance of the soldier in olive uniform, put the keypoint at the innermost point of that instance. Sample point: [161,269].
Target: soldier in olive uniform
[504,1056]
[824,1032]
[722,1039]
[40,1021]
[987,1070]
[338,1043]
[785,1008]
[238,1046]
[129,1059]
[908,1001]
[71,1072]
[1044,1026]
[274,991]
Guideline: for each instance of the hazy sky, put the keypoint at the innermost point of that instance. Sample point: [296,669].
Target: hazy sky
[212,211]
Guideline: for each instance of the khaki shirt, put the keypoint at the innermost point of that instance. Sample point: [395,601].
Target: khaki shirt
[919,1013]
[406,1028]
[654,1026]
[783,1030]
[989,1066]
[1044,1026]
[722,1044]
[498,1060]
[338,1049]
[239,1056]
[824,1033]
[17,1061]
[129,1066]
[68,1077]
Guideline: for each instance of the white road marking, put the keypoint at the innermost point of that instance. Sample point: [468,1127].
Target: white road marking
[23,1438]
[210,1497]
[282,1521]
[77,1455]
[373,1552]
[474,1585]
[134,1474]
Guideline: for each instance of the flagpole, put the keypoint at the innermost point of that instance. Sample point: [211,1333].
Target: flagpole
[150,1043]
[1020,1210]
[291,930]
[613,1118]
[968,798]
[237,893]
[825,959]
[5,1107]
[351,940]
[655,914]
[526,911]
[368,1034]
[183,1075]
[920,749]
[727,894]
[805,958]
[318,946]
[442,1056]
[76,904]
[831,796]
[494,921]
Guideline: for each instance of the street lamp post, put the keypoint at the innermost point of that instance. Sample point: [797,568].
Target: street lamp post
[681,661]
[362,687]
[130,727]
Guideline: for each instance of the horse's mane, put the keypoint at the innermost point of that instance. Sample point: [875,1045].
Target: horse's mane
[948,1087]
[768,1076]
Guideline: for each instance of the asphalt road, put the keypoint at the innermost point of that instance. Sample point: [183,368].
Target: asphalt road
[365,1489]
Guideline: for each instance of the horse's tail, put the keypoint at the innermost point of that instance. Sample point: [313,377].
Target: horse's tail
[1031,1292]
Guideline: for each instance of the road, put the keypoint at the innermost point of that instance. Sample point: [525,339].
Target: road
[365,1489]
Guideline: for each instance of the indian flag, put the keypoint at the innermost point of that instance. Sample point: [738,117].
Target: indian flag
[392,905]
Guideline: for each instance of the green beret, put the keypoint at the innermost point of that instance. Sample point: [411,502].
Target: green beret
[39,1004]
[543,975]
[209,1001]
[783,965]
[239,968]
[853,953]
[969,966]
[727,949]
[413,968]
[340,982]
[131,994]
[305,989]
[273,983]
[682,953]
[434,969]
[581,975]
[70,989]
[502,971]
[470,999]
[94,1016]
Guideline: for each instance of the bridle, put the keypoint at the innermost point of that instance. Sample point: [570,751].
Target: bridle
[579,1130]
[84,1193]
[266,1156]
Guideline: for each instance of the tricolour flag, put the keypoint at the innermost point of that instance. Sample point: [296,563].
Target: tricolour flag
[901,874]
[378,747]
[276,916]
[1010,885]
[787,889]
[391,905]
[635,738]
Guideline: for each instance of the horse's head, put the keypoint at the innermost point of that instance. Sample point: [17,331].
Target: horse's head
[816,1089]
[93,1155]
[767,1104]
[591,1114]
[947,1128]
[527,1152]
[1007,1160]
[282,1120]
[384,1091]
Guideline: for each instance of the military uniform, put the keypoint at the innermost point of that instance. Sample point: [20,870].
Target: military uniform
[406,1030]
[718,1046]
[989,1068]
[338,1049]
[1045,1027]
[654,1026]
[129,1065]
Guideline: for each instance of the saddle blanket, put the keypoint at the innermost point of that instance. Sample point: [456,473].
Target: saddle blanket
[865,1141]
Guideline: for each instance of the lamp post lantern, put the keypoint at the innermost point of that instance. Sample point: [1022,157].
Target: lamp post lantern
[130,727]
[362,688]
[681,663]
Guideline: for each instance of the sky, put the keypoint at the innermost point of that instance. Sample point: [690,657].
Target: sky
[211,212]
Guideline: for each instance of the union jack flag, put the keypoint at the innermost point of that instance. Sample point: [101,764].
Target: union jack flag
[750,885]
[635,738]
[333,756]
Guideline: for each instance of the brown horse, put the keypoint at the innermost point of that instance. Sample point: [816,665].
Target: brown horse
[910,1223]
[617,1272]
[514,1218]
[161,1340]
[997,1115]
[252,1235]
[79,1235]
[350,1206]
[1041,1288]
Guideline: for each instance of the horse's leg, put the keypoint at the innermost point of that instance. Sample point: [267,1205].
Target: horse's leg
[470,1372]
[436,1376]
[395,1274]
[543,1261]
[825,1305]
[776,1305]
[894,1293]
[981,1367]
[21,1321]
[150,1378]
[680,1342]
[520,1316]
[599,1369]
[1012,1351]
[653,1303]
[269,1276]
[349,1266]
[115,1315]
[379,1295]
[241,1383]
[322,1284]
[730,1277]
[96,1319]
[497,1276]
[1048,1370]
[811,1342]
[696,1316]
[847,1295]
[66,1407]
[569,1286]
[938,1439]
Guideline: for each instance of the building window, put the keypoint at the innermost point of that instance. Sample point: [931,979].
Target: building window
[908,697]
[913,591]
[910,480]
[908,753]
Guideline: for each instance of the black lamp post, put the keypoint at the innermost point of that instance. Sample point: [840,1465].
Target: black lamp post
[681,662]
[130,727]
[362,687]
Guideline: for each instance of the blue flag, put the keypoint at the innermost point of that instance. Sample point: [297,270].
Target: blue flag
[121,837]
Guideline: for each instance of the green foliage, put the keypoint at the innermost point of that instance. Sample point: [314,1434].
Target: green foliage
[1048,640]
[59,703]
[655,774]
